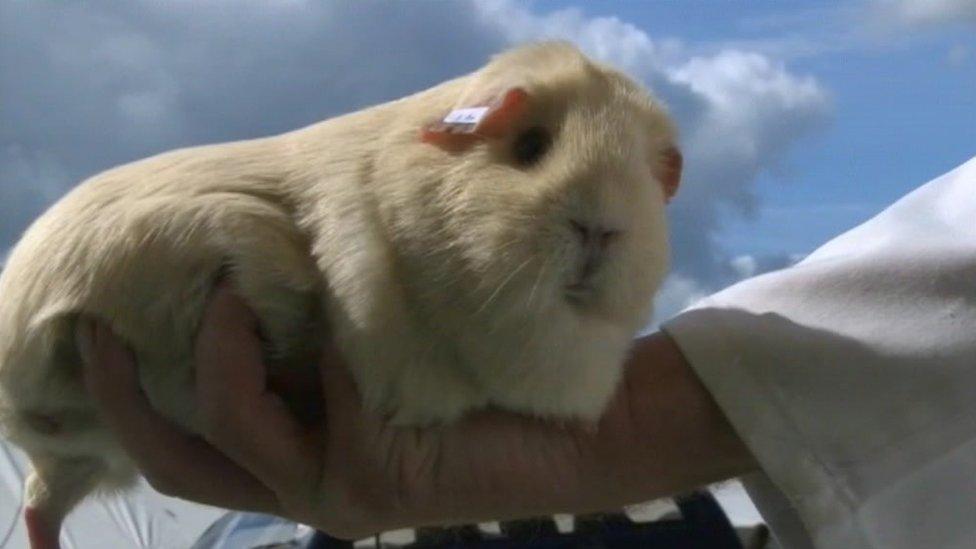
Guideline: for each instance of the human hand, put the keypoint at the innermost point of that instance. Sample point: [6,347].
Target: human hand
[352,474]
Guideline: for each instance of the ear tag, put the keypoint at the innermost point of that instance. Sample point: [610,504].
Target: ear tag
[470,116]
[460,123]
[462,127]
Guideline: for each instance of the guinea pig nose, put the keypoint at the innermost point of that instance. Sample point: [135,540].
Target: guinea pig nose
[582,230]
[593,235]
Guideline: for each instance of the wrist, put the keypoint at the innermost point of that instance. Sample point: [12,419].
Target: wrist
[664,432]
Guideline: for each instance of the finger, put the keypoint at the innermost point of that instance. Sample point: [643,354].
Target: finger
[248,423]
[339,388]
[172,461]
[348,423]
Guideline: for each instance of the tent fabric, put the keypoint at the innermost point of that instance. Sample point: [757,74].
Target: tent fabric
[143,518]
[140,518]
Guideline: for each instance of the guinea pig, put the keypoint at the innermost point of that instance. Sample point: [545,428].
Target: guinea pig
[495,240]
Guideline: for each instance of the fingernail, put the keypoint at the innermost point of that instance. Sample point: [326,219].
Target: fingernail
[85,339]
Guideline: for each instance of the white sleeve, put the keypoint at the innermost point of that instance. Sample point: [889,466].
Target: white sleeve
[852,378]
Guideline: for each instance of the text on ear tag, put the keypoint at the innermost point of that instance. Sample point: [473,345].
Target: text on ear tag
[470,115]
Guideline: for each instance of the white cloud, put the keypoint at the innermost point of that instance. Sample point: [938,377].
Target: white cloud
[859,26]
[680,292]
[606,38]
[927,12]
[746,94]
[677,293]
[890,23]
[744,266]
[749,265]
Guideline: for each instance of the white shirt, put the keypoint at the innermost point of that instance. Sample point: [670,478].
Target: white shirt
[852,378]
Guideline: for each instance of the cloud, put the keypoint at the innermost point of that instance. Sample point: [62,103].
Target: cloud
[926,13]
[745,266]
[677,293]
[750,265]
[856,27]
[102,83]
[680,292]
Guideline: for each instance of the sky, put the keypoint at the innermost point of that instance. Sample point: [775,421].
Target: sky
[798,120]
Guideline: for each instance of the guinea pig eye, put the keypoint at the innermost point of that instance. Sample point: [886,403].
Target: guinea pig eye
[531,145]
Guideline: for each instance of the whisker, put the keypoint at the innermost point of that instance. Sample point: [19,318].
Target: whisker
[505,246]
[538,279]
[502,285]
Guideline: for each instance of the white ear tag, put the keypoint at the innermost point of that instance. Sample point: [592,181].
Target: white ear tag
[470,115]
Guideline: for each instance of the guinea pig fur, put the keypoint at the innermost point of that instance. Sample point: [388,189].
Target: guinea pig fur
[507,261]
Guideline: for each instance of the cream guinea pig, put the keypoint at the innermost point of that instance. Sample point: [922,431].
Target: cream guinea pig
[494,240]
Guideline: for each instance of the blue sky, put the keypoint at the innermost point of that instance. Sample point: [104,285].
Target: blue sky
[799,120]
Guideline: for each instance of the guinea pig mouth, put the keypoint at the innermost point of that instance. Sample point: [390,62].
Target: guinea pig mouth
[580,292]
[582,287]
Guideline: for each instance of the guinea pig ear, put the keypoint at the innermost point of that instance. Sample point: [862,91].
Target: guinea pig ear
[492,119]
[670,171]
